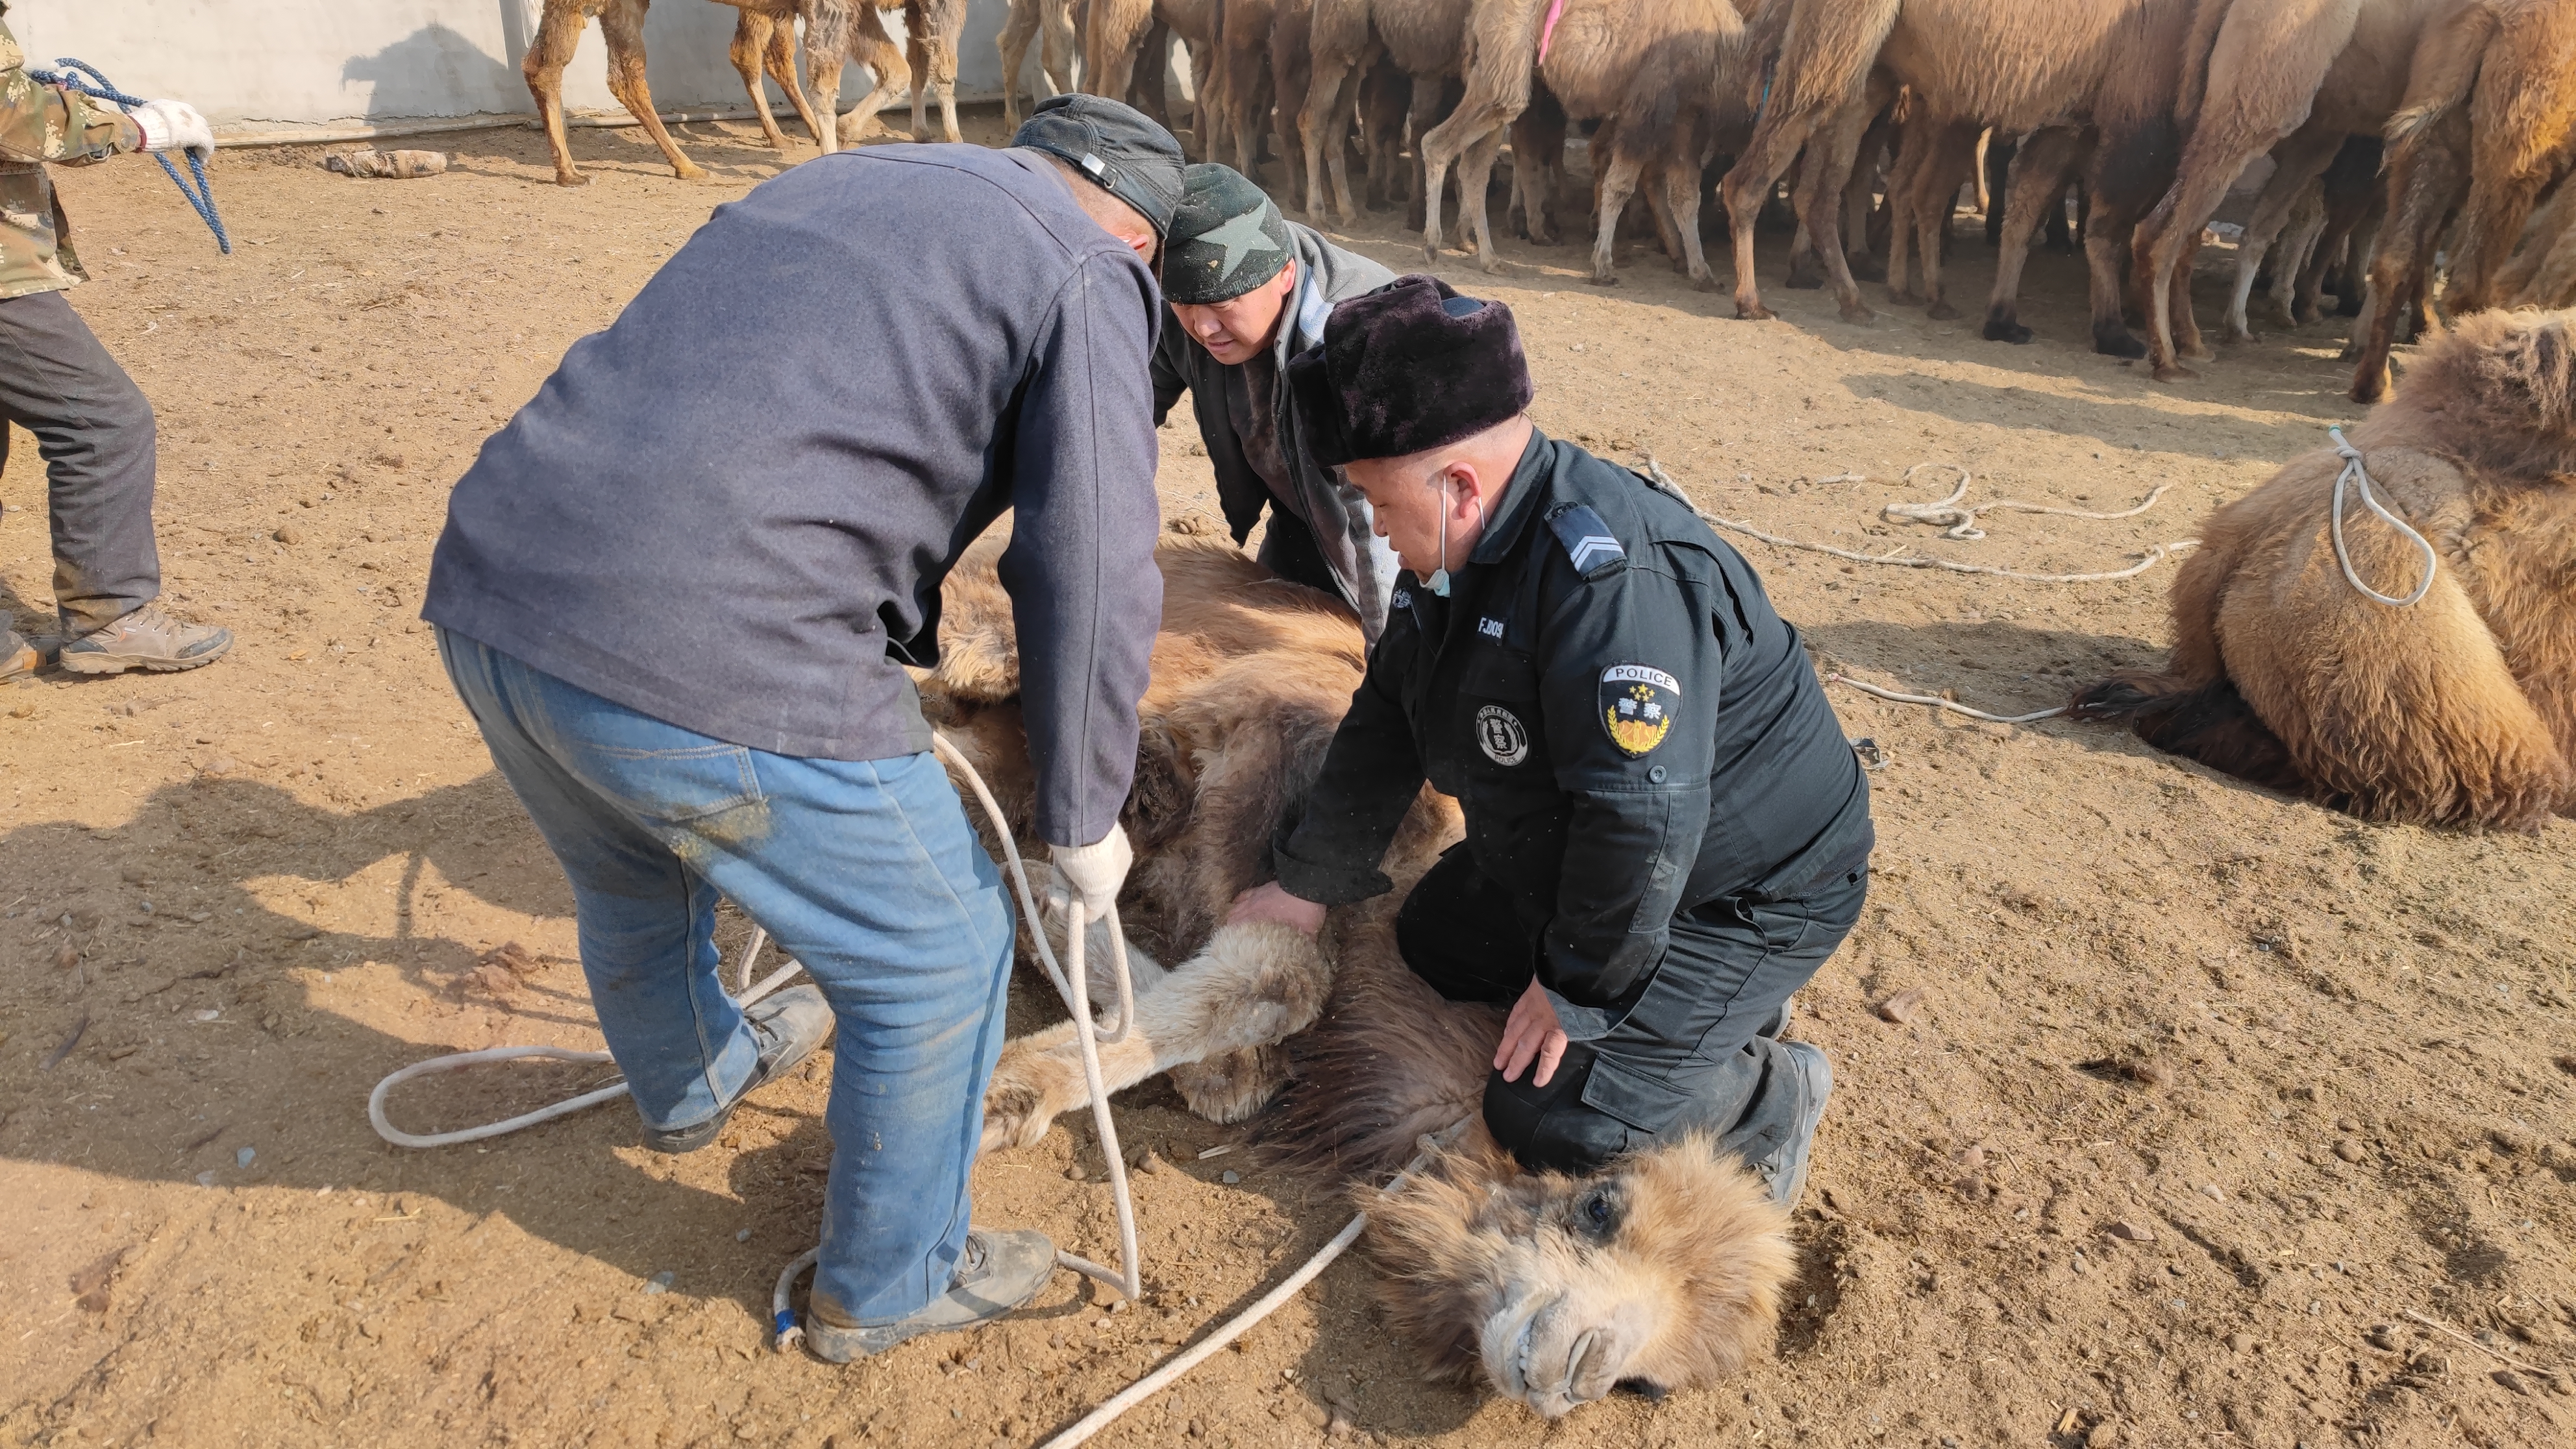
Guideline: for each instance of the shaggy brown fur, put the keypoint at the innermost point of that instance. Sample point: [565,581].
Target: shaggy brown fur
[1424,37]
[1661,1271]
[2460,710]
[1663,75]
[2509,63]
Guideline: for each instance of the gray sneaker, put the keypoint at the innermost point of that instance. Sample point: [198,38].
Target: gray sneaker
[789,1025]
[18,658]
[1777,1132]
[998,1272]
[149,639]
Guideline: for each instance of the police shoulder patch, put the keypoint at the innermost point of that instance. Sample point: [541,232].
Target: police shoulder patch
[1588,541]
[1638,703]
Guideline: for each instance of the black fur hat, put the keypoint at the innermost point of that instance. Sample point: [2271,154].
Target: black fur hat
[1408,367]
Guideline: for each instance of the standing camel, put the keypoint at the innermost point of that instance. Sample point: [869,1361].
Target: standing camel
[1050,23]
[2259,70]
[1423,37]
[1126,44]
[2014,66]
[558,36]
[2509,64]
[1660,73]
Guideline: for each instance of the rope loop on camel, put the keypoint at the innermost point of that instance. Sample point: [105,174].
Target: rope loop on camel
[80,76]
[2357,477]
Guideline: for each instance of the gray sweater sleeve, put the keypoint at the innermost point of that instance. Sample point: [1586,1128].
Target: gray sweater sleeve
[1085,594]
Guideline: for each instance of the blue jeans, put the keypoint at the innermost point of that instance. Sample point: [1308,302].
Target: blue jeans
[866,871]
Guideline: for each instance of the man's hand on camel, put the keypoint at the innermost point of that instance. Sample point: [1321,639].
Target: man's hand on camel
[1532,1032]
[1267,902]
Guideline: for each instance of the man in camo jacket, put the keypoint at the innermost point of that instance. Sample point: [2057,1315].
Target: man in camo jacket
[91,422]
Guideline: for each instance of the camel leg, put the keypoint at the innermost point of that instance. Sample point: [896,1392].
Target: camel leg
[2300,161]
[1858,199]
[939,31]
[1747,188]
[1902,198]
[780,57]
[623,26]
[1475,177]
[1018,31]
[1326,123]
[1208,108]
[2186,325]
[1681,198]
[751,37]
[1954,153]
[1250,987]
[2490,222]
[2301,238]
[1820,205]
[558,36]
[1618,182]
[1465,130]
[2422,186]
[870,46]
[2038,169]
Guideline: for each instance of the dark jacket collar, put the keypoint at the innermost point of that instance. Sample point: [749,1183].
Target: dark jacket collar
[1521,502]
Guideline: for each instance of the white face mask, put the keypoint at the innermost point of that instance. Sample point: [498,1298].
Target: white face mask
[1438,583]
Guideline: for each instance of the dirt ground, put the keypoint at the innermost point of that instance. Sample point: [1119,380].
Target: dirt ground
[2221,1118]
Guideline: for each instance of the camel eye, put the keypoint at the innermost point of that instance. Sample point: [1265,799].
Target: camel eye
[1597,1212]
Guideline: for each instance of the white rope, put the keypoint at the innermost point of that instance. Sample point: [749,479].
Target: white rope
[1898,558]
[2356,476]
[452,1061]
[1129,1280]
[1960,521]
[1235,1327]
[1938,702]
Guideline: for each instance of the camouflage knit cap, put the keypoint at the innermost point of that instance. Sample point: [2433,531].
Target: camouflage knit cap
[1226,239]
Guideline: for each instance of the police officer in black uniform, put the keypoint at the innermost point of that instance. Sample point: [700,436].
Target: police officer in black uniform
[1666,831]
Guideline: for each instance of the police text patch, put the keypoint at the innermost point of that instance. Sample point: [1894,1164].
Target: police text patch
[1638,703]
[1500,733]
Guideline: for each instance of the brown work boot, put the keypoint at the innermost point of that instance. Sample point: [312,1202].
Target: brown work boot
[18,658]
[148,638]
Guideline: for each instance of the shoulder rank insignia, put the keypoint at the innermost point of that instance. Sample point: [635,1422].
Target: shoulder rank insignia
[1638,703]
[1588,541]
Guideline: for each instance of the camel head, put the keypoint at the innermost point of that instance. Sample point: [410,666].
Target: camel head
[2504,382]
[1661,1271]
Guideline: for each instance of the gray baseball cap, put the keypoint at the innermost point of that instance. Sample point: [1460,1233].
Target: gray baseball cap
[1114,144]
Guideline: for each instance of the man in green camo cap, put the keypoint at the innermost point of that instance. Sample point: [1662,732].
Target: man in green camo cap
[1248,289]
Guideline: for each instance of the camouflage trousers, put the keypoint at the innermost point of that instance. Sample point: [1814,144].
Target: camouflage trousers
[95,432]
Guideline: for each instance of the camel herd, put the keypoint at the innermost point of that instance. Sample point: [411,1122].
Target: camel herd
[2397,142]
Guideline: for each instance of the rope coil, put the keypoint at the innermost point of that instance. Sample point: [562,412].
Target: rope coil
[75,75]
[2356,476]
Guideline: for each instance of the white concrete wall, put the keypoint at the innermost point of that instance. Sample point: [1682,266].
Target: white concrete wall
[260,65]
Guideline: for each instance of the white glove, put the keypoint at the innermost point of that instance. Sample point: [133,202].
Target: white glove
[1093,873]
[173,126]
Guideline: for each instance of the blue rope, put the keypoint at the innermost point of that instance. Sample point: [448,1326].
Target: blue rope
[201,200]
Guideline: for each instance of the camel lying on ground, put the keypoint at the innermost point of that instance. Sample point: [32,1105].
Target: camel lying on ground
[2507,64]
[1658,1272]
[2458,710]
[1664,76]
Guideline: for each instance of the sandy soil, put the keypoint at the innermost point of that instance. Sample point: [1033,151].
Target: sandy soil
[2222,1119]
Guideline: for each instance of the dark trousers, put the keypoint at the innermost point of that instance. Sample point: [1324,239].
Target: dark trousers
[1288,549]
[1693,1052]
[95,433]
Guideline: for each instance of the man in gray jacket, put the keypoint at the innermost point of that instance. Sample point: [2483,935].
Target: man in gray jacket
[1249,289]
[678,593]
